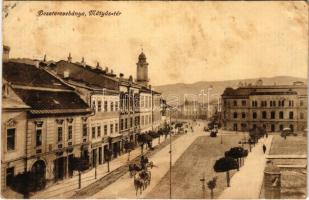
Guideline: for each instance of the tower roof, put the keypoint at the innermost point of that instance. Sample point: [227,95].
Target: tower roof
[142,56]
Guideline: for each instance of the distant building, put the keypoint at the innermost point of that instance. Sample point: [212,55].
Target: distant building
[273,107]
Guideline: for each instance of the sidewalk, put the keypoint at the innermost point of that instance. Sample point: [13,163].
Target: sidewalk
[124,187]
[247,183]
[68,187]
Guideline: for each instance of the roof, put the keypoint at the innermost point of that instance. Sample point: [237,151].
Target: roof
[91,77]
[30,75]
[52,102]
[265,90]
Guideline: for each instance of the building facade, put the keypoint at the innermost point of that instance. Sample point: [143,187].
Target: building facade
[273,107]
[65,110]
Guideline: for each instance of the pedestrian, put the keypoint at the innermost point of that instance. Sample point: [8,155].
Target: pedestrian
[264,148]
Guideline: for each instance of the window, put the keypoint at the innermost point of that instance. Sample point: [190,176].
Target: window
[93,132]
[11,139]
[105,106]
[142,120]
[271,104]
[142,101]
[131,122]
[301,115]
[279,103]
[243,102]
[121,124]
[272,114]
[9,176]
[281,127]
[291,115]
[264,114]
[243,115]
[99,106]
[85,130]
[146,102]
[254,115]
[274,103]
[38,133]
[116,127]
[301,103]
[59,134]
[112,128]
[70,132]
[235,115]
[281,115]
[116,106]
[112,106]
[235,103]
[93,105]
[126,124]
[105,129]
[282,103]
[38,137]
[99,131]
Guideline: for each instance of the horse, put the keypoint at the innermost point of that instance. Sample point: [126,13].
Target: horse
[133,168]
[146,177]
[138,184]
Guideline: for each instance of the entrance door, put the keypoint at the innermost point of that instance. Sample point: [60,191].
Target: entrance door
[60,168]
[105,151]
[70,165]
[292,128]
[272,128]
[38,169]
[100,155]
[235,127]
[94,157]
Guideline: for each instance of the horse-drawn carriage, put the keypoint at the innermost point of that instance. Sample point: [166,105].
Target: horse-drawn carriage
[141,174]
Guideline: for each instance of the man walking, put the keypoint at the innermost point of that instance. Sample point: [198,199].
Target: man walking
[264,148]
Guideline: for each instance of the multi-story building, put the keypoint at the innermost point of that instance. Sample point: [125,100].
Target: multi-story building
[273,107]
[100,90]
[42,123]
[63,110]
[129,108]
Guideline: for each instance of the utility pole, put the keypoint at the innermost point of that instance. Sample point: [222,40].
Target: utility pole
[170,162]
[203,186]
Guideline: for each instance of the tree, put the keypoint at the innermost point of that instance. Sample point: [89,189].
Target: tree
[237,153]
[225,164]
[27,182]
[212,185]
[129,146]
[108,157]
[80,164]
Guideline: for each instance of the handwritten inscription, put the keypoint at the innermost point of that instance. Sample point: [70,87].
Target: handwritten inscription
[91,13]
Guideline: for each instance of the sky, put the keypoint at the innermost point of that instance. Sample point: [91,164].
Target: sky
[184,42]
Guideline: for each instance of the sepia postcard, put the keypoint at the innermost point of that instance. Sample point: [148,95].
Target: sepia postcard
[154,99]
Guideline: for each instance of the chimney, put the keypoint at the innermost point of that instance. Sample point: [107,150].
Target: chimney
[121,75]
[98,66]
[149,87]
[44,59]
[6,54]
[69,58]
[66,74]
[106,69]
[83,62]
[112,71]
